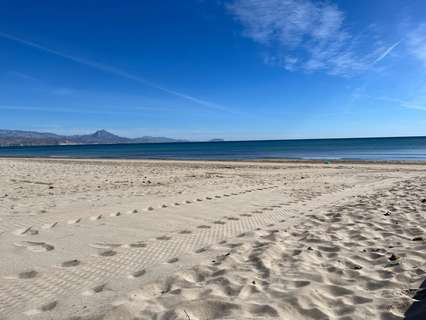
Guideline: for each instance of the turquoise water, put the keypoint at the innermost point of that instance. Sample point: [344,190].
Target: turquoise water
[405,148]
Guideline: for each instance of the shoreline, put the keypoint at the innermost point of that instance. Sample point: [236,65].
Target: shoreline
[245,161]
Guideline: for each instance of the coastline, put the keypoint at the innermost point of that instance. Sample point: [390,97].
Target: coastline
[244,161]
[104,238]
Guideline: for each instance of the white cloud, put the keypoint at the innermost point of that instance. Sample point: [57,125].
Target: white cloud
[416,43]
[312,31]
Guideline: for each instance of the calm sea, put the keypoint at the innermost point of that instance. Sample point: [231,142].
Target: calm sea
[406,148]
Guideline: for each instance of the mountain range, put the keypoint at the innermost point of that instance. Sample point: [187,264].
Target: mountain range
[32,138]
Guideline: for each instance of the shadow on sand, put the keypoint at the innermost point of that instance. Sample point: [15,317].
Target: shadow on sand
[417,311]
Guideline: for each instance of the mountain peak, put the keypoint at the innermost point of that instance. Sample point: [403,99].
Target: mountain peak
[103,133]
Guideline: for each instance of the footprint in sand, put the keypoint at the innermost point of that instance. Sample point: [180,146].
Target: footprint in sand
[107,253]
[188,201]
[70,263]
[209,198]
[43,308]
[139,244]
[94,290]
[75,221]
[164,238]
[217,197]
[35,246]
[219,222]
[245,215]
[201,250]
[233,219]
[185,232]
[173,260]
[203,226]
[199,200]
[25,231]
[137,274]
[115,214]
[94,218]
[29,274]
[49,225]
[163,206]
[149,209]
[104,245]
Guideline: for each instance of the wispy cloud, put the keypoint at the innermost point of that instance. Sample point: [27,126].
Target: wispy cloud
[387,51]
[115,71]
[22,76]
[416,43]
[418,103]
[81,110]
[306,35]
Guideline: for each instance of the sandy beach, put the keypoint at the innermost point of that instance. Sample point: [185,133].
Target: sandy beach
[142,239]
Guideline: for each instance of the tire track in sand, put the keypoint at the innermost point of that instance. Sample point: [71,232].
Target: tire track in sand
[46,289]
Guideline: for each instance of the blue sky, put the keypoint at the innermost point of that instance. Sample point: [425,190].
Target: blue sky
[236,69]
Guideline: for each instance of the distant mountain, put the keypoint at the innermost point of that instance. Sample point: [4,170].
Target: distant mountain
[17,137]
[216,140]
[31,138]
[149,139]
[101,136]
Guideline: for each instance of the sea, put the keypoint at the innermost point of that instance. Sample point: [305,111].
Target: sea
[396,148]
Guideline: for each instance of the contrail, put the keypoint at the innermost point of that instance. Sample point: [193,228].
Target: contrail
[73,110]
[114,71]
[388,50]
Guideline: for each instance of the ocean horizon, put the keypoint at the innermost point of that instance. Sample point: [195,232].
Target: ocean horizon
[377,148]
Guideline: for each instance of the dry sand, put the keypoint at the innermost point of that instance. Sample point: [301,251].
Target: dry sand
[211,240]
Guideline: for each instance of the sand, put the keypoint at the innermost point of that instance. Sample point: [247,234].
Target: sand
[106,239]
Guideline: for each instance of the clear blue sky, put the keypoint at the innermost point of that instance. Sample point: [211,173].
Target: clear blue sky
[234,69]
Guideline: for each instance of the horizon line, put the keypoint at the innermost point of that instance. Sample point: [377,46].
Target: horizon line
[224,139]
